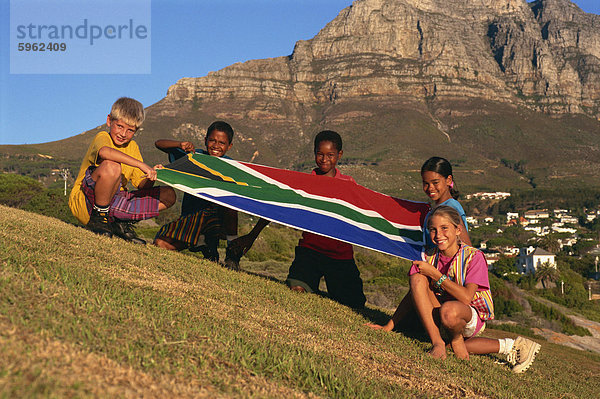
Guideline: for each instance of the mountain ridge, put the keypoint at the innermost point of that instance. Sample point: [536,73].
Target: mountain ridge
[402,80]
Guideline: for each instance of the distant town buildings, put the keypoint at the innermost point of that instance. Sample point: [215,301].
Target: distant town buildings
[541,223]
[472,221]
[568,219]
[569,228]
[512,216]
[496,195]
[537,214]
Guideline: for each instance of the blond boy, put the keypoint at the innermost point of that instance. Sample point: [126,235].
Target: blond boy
[100,198]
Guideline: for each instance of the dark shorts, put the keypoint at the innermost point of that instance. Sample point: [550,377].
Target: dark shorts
[125,205]
[342,277]
[189,228]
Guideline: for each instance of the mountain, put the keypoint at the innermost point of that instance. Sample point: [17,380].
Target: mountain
[485,83]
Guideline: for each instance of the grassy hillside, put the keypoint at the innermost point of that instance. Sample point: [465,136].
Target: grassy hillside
[87,316]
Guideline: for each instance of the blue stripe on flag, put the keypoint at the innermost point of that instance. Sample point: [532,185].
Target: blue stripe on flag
[321,224]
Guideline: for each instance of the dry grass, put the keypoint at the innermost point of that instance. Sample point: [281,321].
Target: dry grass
[86,316]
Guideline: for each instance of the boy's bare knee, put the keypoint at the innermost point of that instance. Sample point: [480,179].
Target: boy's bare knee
[111,167]
[167,196]
[107,169]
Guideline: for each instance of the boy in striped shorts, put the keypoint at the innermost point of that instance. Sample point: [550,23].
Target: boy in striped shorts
[202,223]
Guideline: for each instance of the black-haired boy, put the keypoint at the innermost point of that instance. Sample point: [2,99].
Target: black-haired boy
[201,222]
[318,256]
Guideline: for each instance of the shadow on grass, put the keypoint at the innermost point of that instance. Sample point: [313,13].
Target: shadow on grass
[410,327]
[265,276]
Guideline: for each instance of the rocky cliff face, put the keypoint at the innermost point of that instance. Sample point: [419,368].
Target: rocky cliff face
[484,83]
[544,55]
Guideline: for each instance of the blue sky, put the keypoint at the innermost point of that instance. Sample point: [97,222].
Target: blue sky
[188,39]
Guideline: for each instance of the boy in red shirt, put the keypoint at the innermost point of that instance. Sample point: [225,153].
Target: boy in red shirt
[318,256]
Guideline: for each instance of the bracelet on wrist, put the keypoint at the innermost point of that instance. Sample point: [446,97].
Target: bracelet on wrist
[438,284]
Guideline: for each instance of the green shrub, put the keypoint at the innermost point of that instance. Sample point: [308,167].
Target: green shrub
[17,190]
[506,307]
[514,328]
[53,203]
[552,314]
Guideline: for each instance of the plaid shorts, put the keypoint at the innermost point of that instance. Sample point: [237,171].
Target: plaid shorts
[125,205]
[189,228]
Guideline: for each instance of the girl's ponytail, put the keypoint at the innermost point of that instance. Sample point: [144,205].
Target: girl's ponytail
[443,167]
[453,191]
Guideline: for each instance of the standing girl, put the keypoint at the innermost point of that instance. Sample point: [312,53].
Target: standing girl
[438,184]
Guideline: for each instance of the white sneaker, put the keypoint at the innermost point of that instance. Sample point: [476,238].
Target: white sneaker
[522,354]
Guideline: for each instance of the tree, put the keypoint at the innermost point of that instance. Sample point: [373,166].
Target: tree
[546,273]
[550,243]
[504,266]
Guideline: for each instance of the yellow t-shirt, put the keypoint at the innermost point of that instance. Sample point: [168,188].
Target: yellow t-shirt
[128,173]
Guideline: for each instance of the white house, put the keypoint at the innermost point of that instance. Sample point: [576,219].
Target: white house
[536,229]
[531,258]
[537,214]
[510,251]
[559,212]
[512,215]
[566,242]
[569,219]
[496,195]
[472,221]
[561,229]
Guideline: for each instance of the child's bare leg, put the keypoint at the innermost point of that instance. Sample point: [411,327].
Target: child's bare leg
[167,198]
[230,222]
[482,346]
[425,301]
[454,316]
[169,243]
[459,348]
[401,311]
[108,179]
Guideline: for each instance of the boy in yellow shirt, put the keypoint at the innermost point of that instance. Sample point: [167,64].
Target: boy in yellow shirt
[99,198]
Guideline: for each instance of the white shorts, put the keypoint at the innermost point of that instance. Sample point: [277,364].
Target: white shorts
[474,326]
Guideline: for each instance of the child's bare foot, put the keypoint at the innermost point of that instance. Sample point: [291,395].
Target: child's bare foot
[459,348]
[374,326]
[438,351]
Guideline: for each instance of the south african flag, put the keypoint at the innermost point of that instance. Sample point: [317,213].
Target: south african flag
[334,208]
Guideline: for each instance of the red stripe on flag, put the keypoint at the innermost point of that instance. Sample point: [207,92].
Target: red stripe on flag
[392,209]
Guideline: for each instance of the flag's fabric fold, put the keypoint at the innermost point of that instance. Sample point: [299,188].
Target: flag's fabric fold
[331,207]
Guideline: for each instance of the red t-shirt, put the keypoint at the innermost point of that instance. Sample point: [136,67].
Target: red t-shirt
[328,246]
